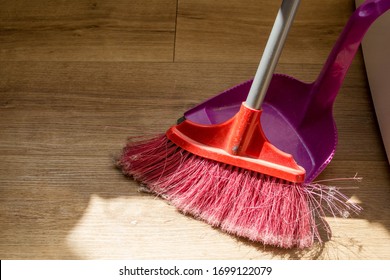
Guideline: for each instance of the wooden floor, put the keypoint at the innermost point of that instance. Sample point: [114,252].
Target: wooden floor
[78,77]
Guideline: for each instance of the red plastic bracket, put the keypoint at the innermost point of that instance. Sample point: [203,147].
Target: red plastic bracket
[240,141]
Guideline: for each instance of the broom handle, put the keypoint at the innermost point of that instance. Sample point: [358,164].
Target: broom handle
[271,53]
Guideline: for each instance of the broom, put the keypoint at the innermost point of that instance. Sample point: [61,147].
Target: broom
[230,175]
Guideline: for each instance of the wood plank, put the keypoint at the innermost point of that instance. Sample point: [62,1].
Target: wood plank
[240,30]
[87,30]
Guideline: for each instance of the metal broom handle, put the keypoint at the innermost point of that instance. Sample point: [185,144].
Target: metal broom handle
[271,53]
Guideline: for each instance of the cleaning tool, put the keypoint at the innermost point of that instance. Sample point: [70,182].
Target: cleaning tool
[297,117]
[240,141]
[230,175]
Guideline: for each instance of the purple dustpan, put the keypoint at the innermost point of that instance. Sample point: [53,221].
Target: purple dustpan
[297,117]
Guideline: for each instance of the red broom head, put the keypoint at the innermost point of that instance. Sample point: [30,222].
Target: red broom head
[239,141]
[239,201]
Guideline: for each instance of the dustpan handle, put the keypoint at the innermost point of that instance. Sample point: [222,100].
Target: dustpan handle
[331,77]
[271,53]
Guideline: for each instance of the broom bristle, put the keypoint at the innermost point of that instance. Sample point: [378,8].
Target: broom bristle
[240,202]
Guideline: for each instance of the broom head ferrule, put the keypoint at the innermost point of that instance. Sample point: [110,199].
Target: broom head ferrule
[240,141]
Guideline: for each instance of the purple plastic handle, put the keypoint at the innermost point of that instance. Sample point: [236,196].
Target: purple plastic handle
[330,79]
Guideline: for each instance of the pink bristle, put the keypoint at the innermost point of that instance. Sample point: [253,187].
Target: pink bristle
[240,202]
